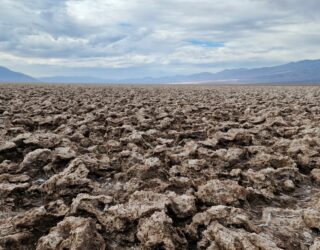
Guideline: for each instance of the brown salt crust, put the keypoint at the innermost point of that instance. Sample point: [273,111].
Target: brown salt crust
[159,167]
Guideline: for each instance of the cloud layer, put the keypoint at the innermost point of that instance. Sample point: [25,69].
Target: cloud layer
[133,38]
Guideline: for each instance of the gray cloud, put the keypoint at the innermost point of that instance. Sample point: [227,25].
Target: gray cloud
[149,37]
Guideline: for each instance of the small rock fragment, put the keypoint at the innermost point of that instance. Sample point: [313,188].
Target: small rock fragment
[221,192]
[315,173]
[64,153]
[7,146]
[157,230]
[288,185]
[72,233]
[35,160]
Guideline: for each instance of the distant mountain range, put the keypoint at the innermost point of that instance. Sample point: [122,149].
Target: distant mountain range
[307,71]
[6,75]
[73,79]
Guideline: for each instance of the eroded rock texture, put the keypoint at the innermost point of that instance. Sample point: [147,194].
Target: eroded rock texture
[161,167]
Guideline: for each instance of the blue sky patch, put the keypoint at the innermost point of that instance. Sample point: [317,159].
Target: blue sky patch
[208,44]
[125,25]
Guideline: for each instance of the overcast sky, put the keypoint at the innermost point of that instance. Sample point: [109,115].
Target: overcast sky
[135,38]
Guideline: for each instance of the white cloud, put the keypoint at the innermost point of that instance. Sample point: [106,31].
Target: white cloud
[154,33]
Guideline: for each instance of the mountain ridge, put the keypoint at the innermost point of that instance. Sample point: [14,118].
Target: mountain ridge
[7,75]
[305,71]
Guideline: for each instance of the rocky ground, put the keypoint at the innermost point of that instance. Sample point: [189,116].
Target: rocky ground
[176,167]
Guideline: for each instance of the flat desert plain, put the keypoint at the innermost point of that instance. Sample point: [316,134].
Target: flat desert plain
[159,167]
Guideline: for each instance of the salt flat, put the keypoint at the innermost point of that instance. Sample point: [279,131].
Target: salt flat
[166,167]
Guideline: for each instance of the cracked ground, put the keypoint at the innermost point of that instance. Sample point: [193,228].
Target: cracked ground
[159,167]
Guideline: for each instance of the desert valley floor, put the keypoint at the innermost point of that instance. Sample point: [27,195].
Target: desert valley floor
[159,167]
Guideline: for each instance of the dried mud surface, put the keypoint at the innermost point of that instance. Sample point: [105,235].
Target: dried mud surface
[161,167]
